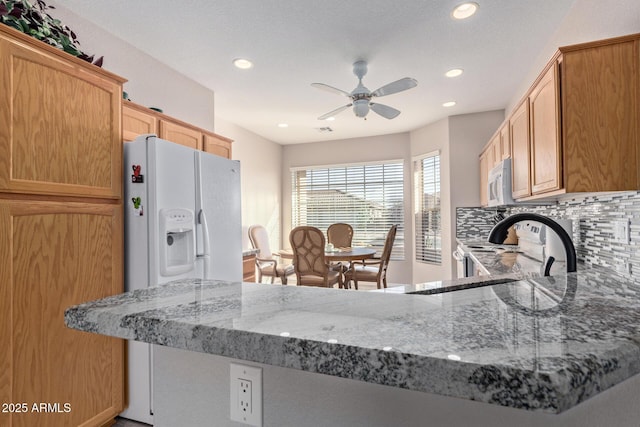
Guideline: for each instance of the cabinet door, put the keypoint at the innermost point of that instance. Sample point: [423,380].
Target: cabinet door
[505,141]
[54,255]
[601,117]
[136,122]
[546,158]
[60,125]
[496,151]
[484,176]
[217,145]
[519,129]
[180,134]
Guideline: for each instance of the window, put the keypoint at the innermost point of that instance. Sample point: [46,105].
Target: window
[427,210]
[367,196]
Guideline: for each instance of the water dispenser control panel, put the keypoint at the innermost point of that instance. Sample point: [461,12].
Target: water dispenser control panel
[177,241]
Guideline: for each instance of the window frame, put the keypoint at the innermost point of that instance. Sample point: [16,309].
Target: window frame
[423,253]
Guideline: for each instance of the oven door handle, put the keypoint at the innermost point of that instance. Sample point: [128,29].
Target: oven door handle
[457,256]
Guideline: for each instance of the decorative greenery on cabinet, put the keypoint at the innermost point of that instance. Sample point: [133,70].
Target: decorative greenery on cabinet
[32,19]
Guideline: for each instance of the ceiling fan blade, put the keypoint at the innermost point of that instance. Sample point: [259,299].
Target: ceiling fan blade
[334,112]
[384,110]
[394,87]
[331,89]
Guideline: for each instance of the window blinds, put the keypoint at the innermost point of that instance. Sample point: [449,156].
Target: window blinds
[369,197]
[427,210]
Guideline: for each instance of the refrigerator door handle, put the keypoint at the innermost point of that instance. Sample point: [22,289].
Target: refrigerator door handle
[206,256]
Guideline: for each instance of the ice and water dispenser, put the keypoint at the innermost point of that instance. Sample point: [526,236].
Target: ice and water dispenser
[177,241]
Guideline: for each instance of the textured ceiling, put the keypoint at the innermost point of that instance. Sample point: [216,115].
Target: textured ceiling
[294,43]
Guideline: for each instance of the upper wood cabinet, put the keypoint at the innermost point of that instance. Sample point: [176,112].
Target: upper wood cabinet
[136,121]
[519,130]
[179,134]
[544,125]
[578,128]
[139,120]
[601,115]
[58,122]
[505,141]
[217,145]
[485,159]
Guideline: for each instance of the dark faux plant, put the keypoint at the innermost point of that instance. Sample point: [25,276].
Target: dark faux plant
[32,18]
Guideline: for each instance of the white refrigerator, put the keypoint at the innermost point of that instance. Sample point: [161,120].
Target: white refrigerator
[182,220]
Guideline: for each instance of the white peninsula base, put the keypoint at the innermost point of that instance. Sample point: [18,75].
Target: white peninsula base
[192,389]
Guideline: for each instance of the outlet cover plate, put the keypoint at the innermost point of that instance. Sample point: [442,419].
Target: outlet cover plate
[239,374]
[621,231]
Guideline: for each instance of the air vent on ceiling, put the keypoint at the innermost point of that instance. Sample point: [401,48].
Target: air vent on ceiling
[324,129]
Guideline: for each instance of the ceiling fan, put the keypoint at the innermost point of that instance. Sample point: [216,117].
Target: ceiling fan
[361,96]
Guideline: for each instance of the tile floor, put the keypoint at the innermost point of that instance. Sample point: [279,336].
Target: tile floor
[123,422]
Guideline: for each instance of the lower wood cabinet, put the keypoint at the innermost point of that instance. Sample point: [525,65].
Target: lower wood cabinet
[54,255]
[249,268]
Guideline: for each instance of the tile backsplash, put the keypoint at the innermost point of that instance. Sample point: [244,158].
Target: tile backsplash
[594,217]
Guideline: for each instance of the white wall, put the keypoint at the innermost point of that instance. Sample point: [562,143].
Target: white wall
[422,141]
[587,20]
[460,140]
[378,148]
[468,134]
[151,83]
[261,169]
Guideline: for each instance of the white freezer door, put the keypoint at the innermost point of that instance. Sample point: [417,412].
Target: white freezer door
[172,183]
[218,212]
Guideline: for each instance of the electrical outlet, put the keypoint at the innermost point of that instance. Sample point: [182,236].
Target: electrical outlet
[621,231]
[246,394]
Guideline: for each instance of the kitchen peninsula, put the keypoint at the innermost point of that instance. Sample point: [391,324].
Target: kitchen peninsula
[552,355]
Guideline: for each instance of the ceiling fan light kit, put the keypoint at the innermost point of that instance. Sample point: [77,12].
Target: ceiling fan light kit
[361,96]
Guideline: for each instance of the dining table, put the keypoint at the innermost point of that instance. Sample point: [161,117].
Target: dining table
[355,253]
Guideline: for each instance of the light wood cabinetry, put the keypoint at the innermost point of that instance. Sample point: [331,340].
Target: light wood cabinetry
[505,141]
[54,255]
[249,268]
[544,125]
[578,128]
[58,124]
[183,135]
[60,232]
[519,125]
[485,159]
[497,149]
[138,120]
[218,145]
[601,115]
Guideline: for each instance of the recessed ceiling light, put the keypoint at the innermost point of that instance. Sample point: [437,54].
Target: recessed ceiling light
[243,64]
[283,125]
[464,10]
[454,72]
[449,104]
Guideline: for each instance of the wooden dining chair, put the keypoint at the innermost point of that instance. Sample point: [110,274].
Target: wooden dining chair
[374,270]
[340,235]
[266,263]
[309,261]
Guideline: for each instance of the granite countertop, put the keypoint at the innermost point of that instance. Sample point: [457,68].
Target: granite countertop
[541,344]
[248,252]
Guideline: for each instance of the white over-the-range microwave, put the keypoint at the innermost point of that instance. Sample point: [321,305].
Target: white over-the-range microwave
[499,184]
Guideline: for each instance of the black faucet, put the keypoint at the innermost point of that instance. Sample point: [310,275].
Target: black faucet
[499,233]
